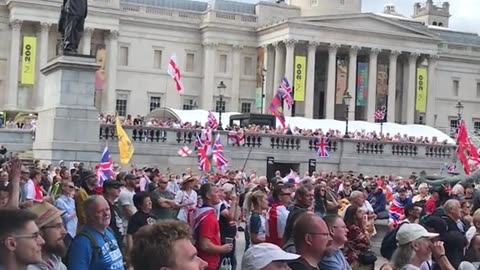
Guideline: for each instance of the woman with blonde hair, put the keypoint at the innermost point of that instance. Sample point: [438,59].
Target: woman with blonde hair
[258,222]
[422,193]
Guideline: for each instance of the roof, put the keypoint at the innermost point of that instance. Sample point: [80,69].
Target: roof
[199,6]
[456,37]
[232,6]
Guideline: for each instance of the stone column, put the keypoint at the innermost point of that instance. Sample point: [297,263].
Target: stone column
[352,80]
[87,41]
[310,88]
[412,71]
[392,86]
[289,62]
[42,61]
[332,72]
[372,84]
[431,93]
[236,71]
[109,94]
[279,65]
[208,75]
[269,64]
[13,60]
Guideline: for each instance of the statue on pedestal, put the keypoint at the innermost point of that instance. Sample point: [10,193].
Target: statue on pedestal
[71,22]
[452,180]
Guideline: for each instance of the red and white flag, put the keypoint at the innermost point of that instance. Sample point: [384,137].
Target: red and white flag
[184,151]
[174,72]
[212,121]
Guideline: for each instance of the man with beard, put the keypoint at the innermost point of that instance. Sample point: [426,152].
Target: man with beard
[312,240]
[50,223]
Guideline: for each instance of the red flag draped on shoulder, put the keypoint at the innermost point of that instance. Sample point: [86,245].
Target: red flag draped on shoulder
[174,72]
[276,108]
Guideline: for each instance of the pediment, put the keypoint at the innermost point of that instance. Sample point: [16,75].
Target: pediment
[369,22]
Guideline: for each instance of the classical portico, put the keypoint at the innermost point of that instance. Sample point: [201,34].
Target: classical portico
[397,49]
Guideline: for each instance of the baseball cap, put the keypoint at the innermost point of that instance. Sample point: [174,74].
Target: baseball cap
[112,184]
[259,256]
[228,187]
[411,232]
[45,213]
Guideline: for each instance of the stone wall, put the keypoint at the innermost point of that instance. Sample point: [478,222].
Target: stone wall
[17,140]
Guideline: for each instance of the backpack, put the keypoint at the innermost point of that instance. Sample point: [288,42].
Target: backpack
[97,250]
[389,243]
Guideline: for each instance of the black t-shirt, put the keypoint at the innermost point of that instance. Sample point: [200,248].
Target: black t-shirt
[227,229]
[301,264]
[138,220]
[116,223]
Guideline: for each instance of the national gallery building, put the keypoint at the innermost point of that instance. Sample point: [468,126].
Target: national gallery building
[414,65]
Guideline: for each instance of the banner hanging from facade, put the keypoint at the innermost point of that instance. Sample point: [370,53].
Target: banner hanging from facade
[260,77]
[29,53]
[299,78]
[100,73]
[258,97]
[342,67]
[362,84]
[382,85]
[422,84]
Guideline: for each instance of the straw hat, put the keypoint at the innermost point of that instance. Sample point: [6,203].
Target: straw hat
[187,179]
[45,212]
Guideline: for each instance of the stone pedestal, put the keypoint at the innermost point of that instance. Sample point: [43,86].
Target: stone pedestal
[68,127]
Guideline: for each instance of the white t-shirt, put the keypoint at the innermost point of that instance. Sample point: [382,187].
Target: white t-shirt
[183,197]
[125,199]
[30,189]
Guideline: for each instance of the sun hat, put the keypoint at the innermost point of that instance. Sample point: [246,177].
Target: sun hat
[259,256]
[45,213]
[228,187]
[411,232]
[187,178]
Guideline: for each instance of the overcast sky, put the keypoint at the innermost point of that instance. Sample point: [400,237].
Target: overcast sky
[465,13]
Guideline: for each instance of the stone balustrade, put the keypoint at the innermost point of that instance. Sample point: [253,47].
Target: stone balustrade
[345,154]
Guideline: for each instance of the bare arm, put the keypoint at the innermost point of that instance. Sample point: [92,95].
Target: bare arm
[15,172]
[207,246]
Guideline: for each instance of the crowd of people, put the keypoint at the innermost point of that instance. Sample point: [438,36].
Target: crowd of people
[252,128]
[150,218]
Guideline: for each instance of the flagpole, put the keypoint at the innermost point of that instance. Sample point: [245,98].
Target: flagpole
[166,93]
[246,160]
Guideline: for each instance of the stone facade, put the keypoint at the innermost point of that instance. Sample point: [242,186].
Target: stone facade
[221,41]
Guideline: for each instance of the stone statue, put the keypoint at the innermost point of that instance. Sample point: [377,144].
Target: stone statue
[70,24]
[452,180]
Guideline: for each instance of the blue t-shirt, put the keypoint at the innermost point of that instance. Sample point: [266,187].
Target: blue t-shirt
[108,257]
[336,260]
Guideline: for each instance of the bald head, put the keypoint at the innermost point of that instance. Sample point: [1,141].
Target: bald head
[262,181]
[311,235]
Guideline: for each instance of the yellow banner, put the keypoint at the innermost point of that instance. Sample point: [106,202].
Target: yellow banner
[422,87]
[125,146]
[299,78]
[29,53]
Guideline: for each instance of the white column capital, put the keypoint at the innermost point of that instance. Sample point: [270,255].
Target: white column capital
[44,27]
[414,56]
[16,24]
[433,58]
[113,35]
[333,48]
[290,43]
[313,44]
[277,44]
[394,54]
[237,46]
[354,50]
[375,51]
[209,45]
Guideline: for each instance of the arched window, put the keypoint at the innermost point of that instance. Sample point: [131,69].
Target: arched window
[440,24]
[434,23]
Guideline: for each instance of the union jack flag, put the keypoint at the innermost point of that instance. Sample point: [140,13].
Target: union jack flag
[285,91]
[212,121]
[105,168]
[217,153]
[276,109]
[452,167]
[322,147]
[203,159]
[380,114]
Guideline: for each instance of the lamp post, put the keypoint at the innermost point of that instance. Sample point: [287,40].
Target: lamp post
[346,100]
[459,107]
[263,90]
[221,90]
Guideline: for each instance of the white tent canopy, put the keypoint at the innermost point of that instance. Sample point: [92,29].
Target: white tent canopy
[306,123]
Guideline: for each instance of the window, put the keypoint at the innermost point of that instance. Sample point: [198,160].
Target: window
[222,64]
[121,104]
[155,102]
[189,104]
[476,126]
[456,86]
[314,2]
[190,62]
[246,107]
[478,89]
[157,59]
[342,2]
[123,56]
[453,123]
[248,63]
[220,106]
